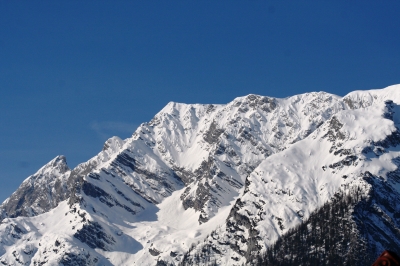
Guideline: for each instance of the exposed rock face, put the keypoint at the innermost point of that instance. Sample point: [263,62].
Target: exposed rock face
[40,192]
[378,218]
[213,184]
[93,235]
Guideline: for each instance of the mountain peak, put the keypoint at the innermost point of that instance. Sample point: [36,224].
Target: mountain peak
[113,143]
[36,195]
[59,164]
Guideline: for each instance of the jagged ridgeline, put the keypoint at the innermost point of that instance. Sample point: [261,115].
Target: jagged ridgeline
[295,181]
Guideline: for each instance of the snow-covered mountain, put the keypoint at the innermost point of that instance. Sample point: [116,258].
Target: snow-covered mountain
[203,184]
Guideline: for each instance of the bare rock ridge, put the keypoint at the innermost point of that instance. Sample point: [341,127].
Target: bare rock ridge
[40,192]
[204,184]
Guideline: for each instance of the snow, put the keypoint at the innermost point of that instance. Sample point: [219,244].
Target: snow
[174,230]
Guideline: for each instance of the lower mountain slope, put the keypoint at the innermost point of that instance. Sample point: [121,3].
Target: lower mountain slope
[351,229]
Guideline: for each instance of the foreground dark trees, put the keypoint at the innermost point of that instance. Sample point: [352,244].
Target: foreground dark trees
[330,236]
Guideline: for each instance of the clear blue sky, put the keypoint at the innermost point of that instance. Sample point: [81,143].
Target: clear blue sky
[73,73]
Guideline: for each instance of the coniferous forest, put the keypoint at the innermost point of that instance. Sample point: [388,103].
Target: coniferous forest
[328,237]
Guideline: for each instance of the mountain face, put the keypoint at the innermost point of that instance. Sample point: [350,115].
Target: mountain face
[219,184]
[354,150]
